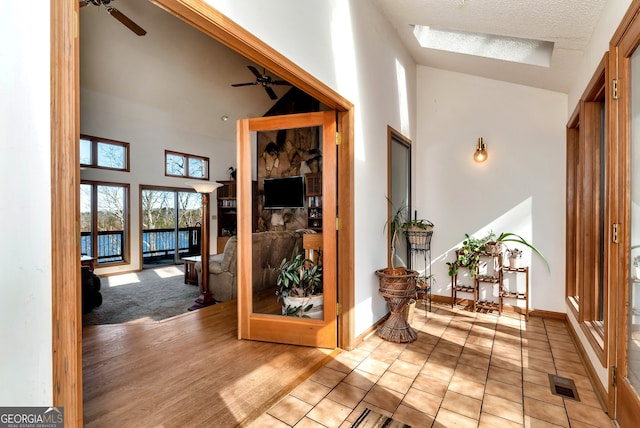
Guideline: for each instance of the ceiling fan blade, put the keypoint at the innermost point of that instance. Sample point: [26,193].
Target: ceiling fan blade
[244,84]
[254,71]
[272,94]
[280,82]
[126,21]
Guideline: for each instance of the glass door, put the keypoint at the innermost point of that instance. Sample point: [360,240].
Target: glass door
[287,229]
[171,226]
[626,376]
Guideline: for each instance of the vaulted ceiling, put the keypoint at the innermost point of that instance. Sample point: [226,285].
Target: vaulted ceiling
[568,24]
[176,68]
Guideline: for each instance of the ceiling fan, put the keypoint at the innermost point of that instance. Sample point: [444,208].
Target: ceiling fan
[116,14]
[263,80]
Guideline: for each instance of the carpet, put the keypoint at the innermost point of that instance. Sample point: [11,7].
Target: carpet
[149,295]
[371,419]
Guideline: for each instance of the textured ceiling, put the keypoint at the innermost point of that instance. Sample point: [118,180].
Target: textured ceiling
[567,23]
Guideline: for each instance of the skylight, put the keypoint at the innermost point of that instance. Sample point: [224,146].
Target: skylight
[524,51]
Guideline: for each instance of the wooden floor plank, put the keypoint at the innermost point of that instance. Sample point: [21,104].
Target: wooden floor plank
[186,371]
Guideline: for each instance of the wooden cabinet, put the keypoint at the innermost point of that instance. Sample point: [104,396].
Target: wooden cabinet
[313,194]
[228,211]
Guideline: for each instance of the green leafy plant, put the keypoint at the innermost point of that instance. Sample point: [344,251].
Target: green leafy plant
[298,277]
[417,224]
[395,223]
[468,255]
[512,237]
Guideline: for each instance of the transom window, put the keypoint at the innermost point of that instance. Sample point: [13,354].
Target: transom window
[98,152]
[185,165]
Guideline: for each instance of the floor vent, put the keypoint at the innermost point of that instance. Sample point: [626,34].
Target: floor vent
[563,387]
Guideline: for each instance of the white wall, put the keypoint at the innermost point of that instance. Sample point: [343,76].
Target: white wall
[352,49]
[520,188]
[156,95]
[611,16]
[25,219]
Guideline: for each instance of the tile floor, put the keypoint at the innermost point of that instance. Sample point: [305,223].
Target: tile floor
[465,370]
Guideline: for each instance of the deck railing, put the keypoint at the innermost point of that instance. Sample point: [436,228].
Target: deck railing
[155,243]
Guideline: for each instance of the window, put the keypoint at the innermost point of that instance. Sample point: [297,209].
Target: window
[104,221]
[184,165]
[102,153]
[587,212]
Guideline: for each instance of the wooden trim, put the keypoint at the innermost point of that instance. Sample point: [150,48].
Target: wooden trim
[65,110]
[596,87]
[213,23]
[599,389]
[625,24]
[370,331]
[615,201]
[346,214]
[548,314]
[244,247]
[65,212]
[391,135]
[571,210]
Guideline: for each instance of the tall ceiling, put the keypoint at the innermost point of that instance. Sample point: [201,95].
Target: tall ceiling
[174,67]
[174,70]
[569,24]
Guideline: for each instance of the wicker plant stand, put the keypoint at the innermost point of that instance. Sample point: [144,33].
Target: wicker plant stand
[397,286]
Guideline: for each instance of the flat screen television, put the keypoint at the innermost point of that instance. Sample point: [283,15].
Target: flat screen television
[284,192]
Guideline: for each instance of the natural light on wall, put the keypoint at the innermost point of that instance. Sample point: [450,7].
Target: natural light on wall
[524,51]
[403,100]
[345,65]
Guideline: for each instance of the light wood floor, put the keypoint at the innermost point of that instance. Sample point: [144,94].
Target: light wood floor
[187,371]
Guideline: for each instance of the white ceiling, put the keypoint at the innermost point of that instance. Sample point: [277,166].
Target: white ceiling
[174,70]
[567,23]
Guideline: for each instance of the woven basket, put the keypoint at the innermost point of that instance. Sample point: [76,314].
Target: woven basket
[397,282]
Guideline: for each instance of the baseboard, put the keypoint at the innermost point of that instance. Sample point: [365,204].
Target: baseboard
[548,314]
[598,387]
[368,332]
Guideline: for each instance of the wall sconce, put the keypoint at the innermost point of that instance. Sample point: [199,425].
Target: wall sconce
[481,154]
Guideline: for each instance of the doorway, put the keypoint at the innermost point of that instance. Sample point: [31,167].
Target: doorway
[67,364]
[171,226]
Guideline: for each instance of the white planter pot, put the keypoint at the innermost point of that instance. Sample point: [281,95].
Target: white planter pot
[514,262]
[316,311]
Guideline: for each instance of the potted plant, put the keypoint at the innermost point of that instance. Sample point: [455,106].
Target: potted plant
[495,244]
[514,255]
[417,232]
[468,255]
[299,287]
[397,286]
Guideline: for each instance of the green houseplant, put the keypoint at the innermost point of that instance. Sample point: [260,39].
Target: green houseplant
[468,255]
[299,287]
[495,243]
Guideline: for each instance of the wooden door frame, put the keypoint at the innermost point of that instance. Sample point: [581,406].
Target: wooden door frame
[624,42]
[65,178]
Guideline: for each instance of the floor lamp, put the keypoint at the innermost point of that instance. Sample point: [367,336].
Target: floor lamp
[204,188]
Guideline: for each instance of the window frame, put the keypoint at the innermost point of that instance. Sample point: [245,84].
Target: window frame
[588,189]
[187,157]
[94,152]
[126,233]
